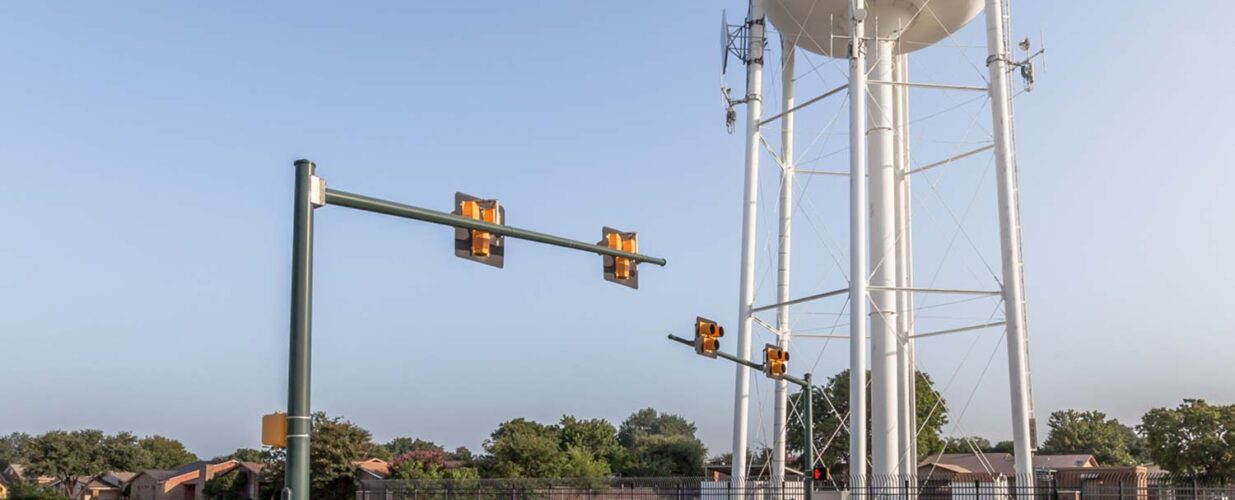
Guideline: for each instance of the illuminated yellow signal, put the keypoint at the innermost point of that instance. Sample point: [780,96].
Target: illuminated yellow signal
[475,244]
[620,270]
[775,361]
[707,337]
[480,239]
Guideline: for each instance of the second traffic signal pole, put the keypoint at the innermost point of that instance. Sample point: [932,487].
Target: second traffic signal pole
[808,419]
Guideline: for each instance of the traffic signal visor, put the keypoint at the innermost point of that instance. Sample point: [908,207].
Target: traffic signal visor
[775,361]
[707,337]
[474,244]
[620,270]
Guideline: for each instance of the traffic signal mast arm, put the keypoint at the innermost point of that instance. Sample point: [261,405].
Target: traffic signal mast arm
[369,204]
[758,366]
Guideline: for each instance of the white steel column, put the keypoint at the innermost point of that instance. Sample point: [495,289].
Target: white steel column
[857,243]
[754,89]
[783,262]
[1009,237]
[906,397]
[881,141]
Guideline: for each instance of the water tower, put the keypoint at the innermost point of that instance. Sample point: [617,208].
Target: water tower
[876,36]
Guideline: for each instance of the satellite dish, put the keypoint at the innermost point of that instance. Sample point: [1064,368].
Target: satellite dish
[724,43]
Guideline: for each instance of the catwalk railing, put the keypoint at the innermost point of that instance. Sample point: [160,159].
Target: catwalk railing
[1069,484]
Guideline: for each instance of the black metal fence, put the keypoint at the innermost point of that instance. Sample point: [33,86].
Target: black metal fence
[1048,485]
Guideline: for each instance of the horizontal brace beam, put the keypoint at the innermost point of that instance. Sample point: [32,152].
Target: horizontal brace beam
[808,102]
[807,298]
[820,172]
[941,86]
[951,159]
[368,204]
[758,366]
[934,290]
[958,330]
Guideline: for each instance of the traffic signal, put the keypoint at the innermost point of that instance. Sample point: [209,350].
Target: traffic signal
[472,244]
[274,430]
[620,270]
[820,474]
[707,337]
[775,361]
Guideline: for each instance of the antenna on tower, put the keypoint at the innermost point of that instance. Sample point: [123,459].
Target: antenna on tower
[1026,64]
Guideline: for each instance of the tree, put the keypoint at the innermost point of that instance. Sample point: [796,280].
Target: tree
[245,455]
[229,486]
[124,452]
[13,449]
[831,410]
[66,455]
[967,445]
[1088,432]
[523,448]
[420,464]
[659,444]
[1195,438]
[401,445]
[1004,447]
[29,490]
[165,453]
[597,437]
[650,422]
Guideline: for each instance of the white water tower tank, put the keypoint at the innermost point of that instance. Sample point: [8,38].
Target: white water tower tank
[822,26]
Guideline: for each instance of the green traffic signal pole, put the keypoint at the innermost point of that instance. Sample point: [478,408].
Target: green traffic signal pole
[808,420]
[310,194]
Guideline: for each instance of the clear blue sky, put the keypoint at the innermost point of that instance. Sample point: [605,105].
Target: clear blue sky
[146,153]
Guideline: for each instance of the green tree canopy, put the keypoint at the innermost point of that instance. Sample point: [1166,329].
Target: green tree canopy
[831,408]
[596,437]
[658,444]
[245,455]
[29,490]
[967,444]
[66,455]
[1088,432]
[1195,438]
[13,449]
[523,448]
[401,445]
[165,453]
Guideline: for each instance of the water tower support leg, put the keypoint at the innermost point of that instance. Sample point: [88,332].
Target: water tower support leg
[881,140]
[754,89]
[783,257]
[1010,240]
[857,247]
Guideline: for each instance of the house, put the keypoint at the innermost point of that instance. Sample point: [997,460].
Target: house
[105,486]
[755,472]
[189,482]
[948,465]
[17,472]
[373,468]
